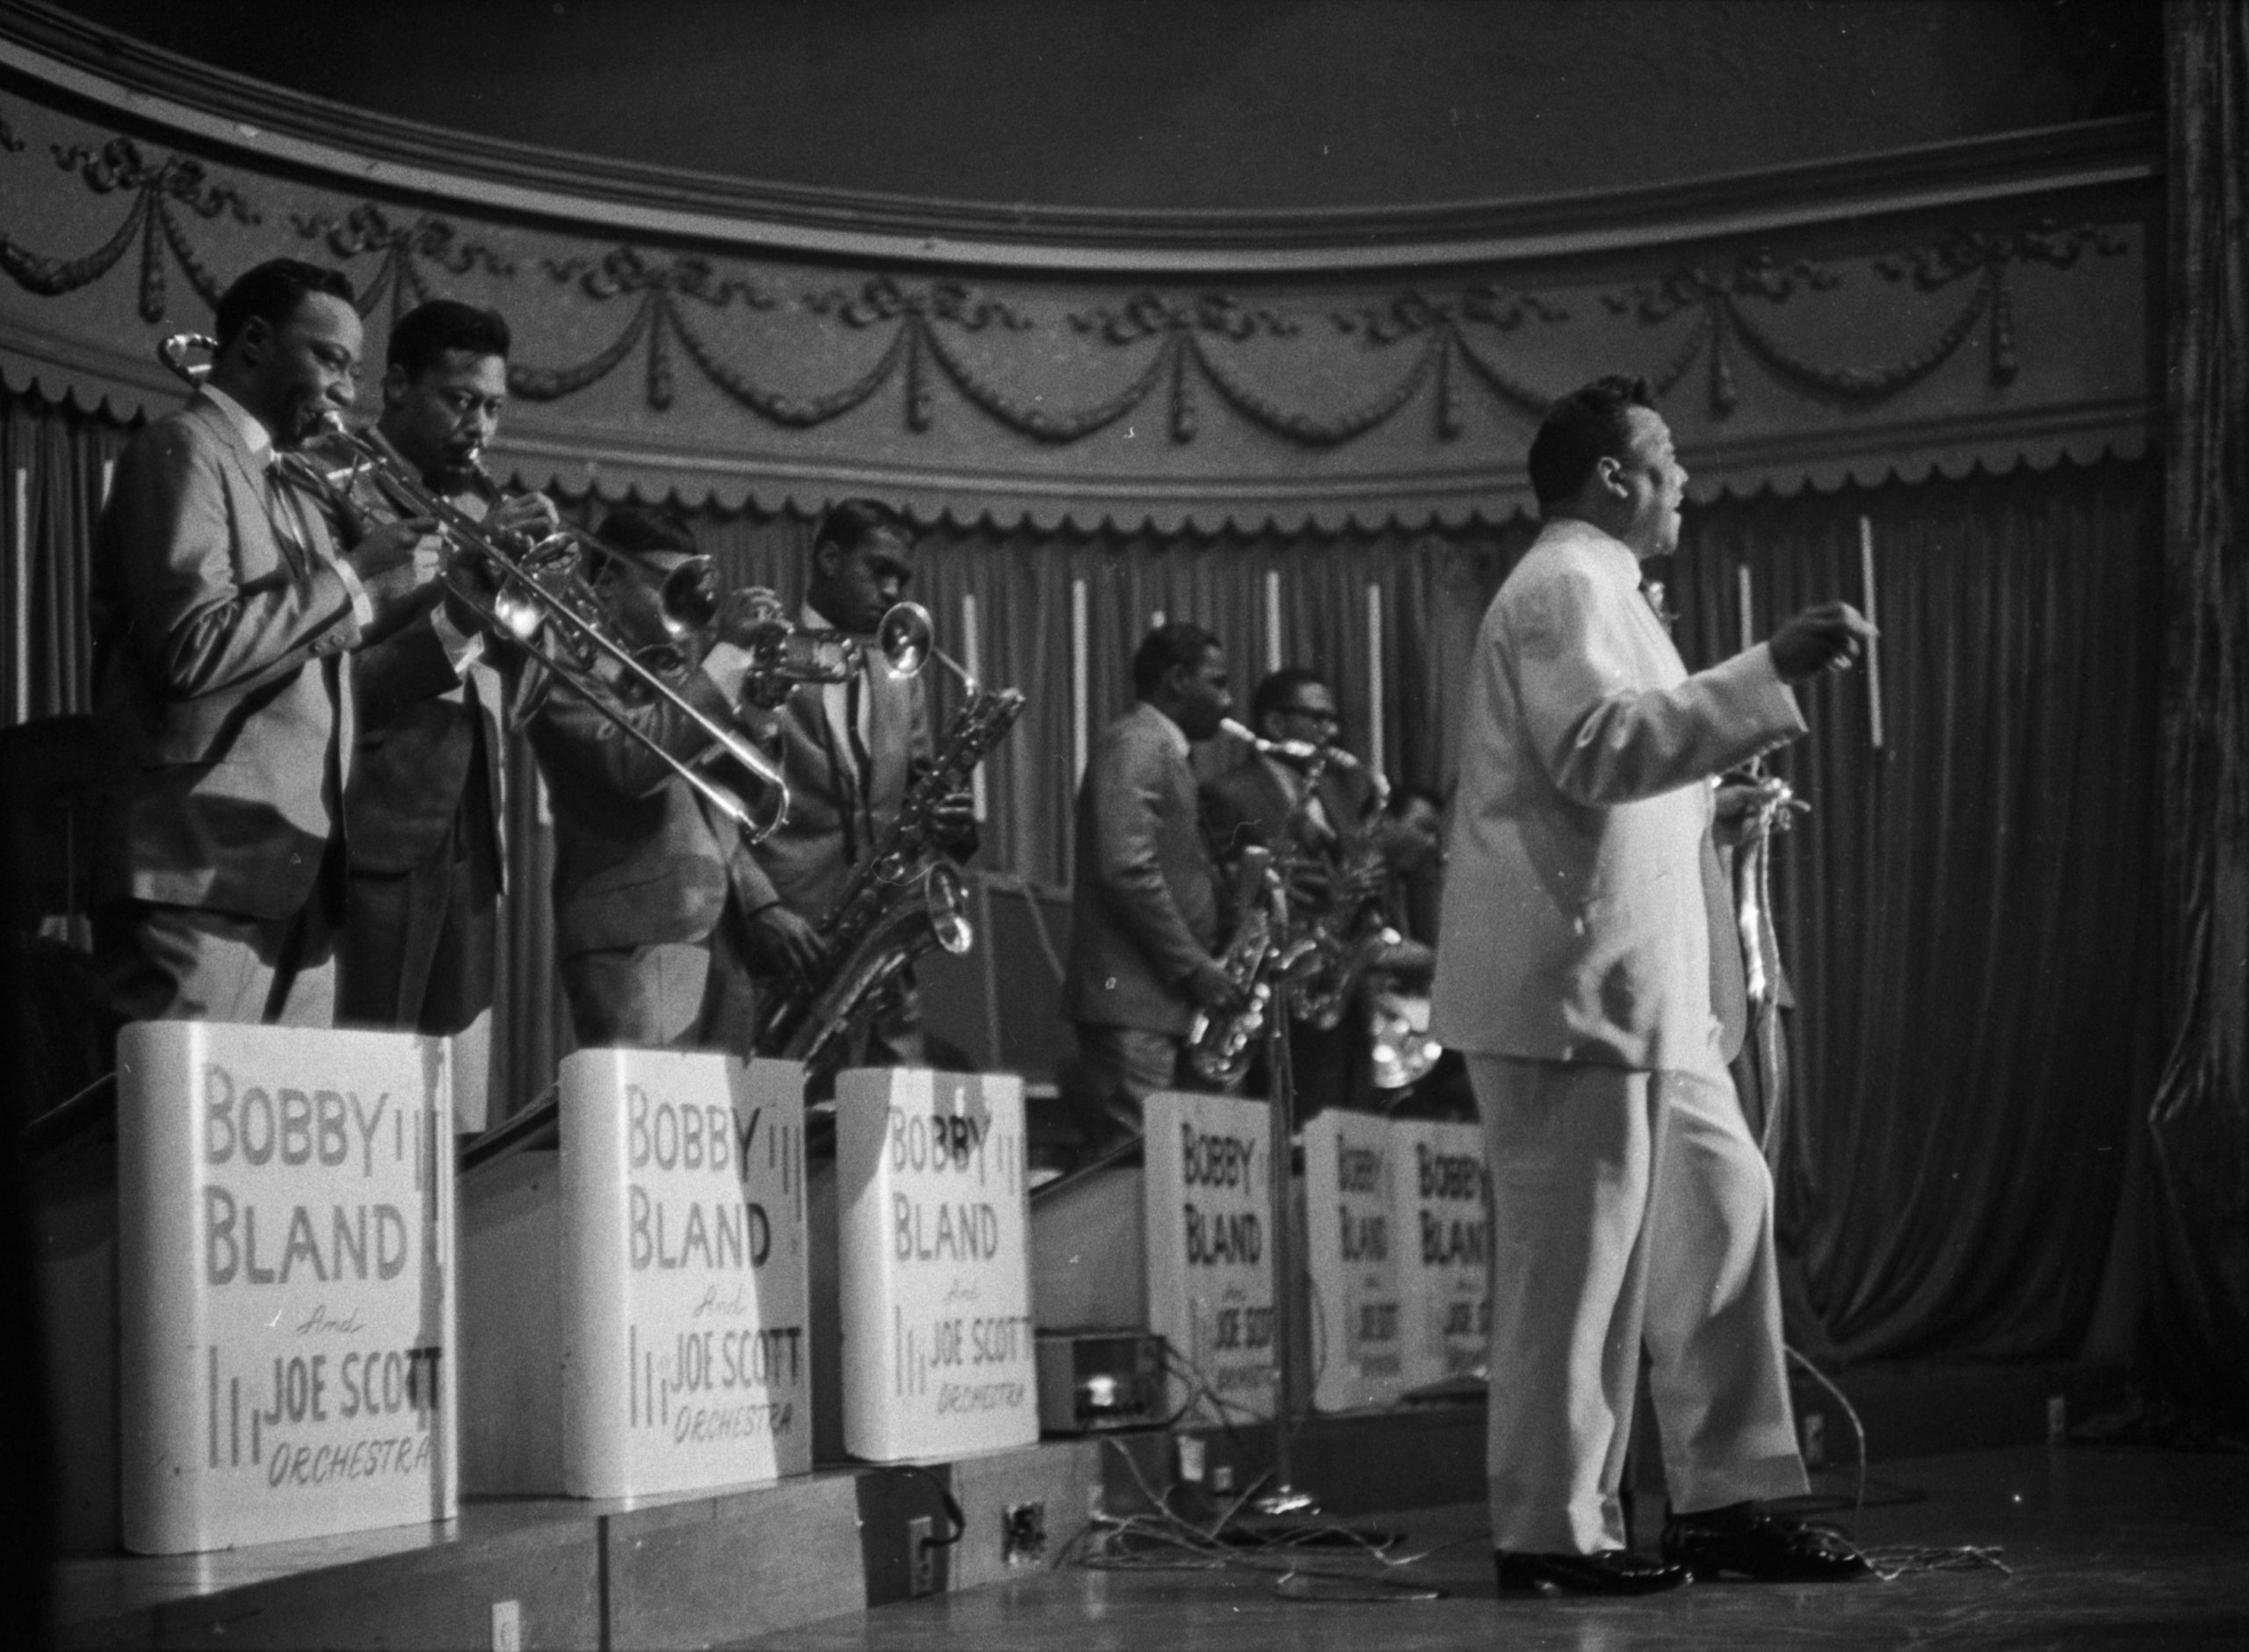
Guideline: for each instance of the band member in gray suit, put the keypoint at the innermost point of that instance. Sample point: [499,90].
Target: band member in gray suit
[851,750]
[1630,1208]
[423,810]
[1145,918]
[221,610]
[649,932]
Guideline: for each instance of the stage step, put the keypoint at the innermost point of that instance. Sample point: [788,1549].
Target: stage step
[715,1567]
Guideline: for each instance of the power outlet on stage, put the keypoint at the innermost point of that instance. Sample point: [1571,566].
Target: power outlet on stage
[1222,1477]
[1190,1459]
[921,1557]
[1815,1441]
[506,1626]
[1023,1534]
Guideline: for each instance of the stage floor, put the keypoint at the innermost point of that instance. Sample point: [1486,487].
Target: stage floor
[2102,1548]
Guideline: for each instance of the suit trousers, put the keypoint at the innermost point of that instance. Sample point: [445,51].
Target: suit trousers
[419,951]
[682,994]
[1121,1066]
[163,963]
[1629,1209]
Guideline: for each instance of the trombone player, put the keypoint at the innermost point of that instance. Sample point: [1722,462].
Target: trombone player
[221,607]
[425,806]
[650,879]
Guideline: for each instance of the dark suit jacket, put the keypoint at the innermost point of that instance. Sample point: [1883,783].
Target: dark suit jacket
[217,630]
[1248,804]
[420,730]
[637,859]
[832,818]
[1145,910]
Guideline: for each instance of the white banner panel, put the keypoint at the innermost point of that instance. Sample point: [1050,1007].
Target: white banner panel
[1210,1260]
[684,1273]
[932,1230]
[284,1283]
[1444,1203]
[1351,1237]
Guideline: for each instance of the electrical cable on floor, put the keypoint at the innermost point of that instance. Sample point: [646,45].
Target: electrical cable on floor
[1163,1539]
[1891,1562]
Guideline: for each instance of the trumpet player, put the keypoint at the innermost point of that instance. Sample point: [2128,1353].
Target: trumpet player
[651,882]
[222,607]
[423,810]
[851,750]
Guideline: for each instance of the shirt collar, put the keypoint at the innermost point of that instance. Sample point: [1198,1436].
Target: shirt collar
[254,434]
[1611,554]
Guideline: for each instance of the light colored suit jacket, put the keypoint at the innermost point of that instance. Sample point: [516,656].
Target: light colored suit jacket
[1574,924]
[217,632]
[1146,909]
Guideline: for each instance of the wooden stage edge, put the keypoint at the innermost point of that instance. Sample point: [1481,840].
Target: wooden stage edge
[719,1567]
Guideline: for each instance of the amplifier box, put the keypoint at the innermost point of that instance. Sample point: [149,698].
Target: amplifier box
[1093,1380]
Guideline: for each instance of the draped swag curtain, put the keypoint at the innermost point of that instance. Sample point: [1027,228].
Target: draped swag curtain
[2199,1127]
[1967,914]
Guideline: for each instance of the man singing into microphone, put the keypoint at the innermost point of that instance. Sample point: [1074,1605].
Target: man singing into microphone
[1631,1208]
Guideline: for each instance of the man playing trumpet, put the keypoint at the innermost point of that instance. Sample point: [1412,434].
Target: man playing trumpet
[222,606]
[424,809]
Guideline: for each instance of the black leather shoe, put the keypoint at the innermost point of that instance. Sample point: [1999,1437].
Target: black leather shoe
[1772,1548]
[1613,1571]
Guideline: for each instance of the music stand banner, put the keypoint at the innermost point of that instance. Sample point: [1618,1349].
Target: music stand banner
[284,1283]
[1210,1259]
[933,1224]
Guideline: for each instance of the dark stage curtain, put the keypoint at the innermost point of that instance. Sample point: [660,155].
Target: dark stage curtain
[1970,916]
[1969,913]
[2199,1126]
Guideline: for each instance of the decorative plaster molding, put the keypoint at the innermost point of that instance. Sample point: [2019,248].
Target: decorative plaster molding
[1310,401]
[125,83]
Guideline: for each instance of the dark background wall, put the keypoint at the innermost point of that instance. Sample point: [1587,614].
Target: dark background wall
[1209,105]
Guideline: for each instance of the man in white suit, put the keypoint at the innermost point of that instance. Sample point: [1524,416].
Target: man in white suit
[1631,1206]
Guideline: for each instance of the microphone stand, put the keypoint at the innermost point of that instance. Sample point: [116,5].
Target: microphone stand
[1284,1498]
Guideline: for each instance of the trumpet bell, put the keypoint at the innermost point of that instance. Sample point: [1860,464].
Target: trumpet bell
[904,637]
[178,350]
[691,597]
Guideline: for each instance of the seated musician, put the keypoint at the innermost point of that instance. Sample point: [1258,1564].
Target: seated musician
[651,941]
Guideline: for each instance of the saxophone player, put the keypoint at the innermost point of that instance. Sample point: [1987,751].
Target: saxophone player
[1316,814]
[851,750]
[650,915]
[1145,913]
[424,809]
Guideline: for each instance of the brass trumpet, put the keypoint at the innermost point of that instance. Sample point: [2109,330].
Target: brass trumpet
[543,592]
[783,654]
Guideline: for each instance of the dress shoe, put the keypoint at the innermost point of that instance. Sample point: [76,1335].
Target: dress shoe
[1613,1571]
[1773,1548]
